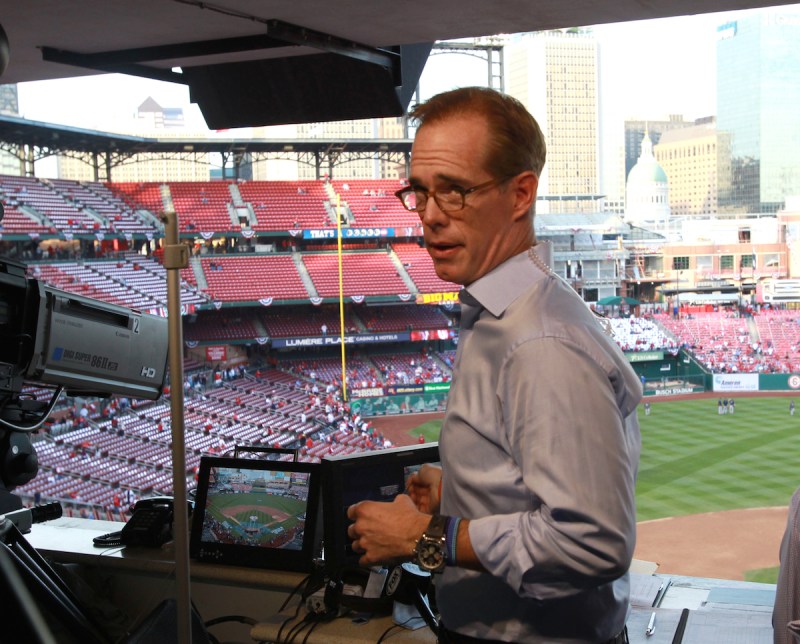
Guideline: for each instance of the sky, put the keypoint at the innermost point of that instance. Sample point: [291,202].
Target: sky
[654,67]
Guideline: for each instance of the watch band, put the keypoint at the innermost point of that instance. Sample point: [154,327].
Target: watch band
[451,539]
[430,550]
[436,527]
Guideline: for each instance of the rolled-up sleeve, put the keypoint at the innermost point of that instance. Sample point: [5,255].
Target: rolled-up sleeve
[575,443]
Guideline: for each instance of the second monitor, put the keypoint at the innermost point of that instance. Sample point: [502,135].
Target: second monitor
[366,476]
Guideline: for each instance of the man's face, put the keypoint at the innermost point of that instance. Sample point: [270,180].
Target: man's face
[467,244]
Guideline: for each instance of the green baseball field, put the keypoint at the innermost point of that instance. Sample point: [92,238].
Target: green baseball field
[258,516]
[695,461]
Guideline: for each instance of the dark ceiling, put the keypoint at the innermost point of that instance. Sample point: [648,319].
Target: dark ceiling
[237,55]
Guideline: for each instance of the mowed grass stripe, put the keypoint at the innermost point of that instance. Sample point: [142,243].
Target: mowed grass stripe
[695,460]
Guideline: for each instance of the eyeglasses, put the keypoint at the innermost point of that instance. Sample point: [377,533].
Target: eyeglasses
[450,200]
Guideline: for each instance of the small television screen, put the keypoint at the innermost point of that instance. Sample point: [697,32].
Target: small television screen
[256,513]
[366,476]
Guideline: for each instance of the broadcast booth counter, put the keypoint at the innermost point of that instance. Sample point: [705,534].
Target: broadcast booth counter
[138,578]
[257,535]
[259,571]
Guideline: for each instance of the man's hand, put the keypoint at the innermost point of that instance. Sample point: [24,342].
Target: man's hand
[386,532]
[423,488]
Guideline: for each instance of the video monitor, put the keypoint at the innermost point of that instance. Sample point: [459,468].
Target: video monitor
[256,513]
[365,476]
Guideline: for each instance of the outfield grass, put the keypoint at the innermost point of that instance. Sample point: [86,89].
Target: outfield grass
[763,575]
[429,430]
[694,460]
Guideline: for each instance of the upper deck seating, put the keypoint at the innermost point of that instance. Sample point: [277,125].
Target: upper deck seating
[419,266]
[251,278]
[370,273]
[373,204]
[203,206]
[143,195]
[286,205]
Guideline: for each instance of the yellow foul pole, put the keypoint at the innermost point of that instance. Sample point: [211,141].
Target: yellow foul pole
[341,293]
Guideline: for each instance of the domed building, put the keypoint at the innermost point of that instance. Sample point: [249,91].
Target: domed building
[647,192]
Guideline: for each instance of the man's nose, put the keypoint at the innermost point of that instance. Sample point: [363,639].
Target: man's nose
[433,215]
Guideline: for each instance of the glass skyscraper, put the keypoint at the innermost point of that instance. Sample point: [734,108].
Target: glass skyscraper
[758,103]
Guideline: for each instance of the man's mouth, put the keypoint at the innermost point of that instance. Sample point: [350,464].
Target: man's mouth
[441,250]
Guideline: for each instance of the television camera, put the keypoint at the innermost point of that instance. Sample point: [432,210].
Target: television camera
[63,342]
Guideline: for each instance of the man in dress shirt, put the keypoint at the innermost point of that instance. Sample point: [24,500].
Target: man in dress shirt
[540,443]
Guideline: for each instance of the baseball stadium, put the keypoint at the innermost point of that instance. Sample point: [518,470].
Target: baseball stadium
[268,345]
[312,321]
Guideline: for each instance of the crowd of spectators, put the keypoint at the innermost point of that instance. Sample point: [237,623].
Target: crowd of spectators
[305,395]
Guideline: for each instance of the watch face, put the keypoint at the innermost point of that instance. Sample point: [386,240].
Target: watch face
[430,554]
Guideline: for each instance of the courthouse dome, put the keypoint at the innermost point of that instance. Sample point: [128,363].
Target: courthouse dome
[647,170]
[647,189]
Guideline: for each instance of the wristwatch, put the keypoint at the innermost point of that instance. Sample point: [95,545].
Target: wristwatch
[430,549]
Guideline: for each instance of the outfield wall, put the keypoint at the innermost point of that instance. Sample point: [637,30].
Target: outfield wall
[662,374]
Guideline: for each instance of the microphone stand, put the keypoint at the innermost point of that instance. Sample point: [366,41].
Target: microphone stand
[176,256]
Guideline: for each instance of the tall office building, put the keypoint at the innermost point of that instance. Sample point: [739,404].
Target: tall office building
[697,162]
[554,74]
[758,93]
[349,166]
[635,131]
[151,119]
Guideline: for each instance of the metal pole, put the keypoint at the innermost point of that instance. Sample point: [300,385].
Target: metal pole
[176,256]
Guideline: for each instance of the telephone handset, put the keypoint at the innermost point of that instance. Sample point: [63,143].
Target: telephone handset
[150,525]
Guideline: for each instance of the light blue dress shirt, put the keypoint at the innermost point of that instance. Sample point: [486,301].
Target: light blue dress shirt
[539,447]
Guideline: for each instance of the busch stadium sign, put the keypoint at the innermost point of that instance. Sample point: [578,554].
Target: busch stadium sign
[676,391]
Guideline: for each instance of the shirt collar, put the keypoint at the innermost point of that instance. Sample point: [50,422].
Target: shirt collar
[496,290]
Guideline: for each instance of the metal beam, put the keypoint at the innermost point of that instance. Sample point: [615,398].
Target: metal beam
[278,34]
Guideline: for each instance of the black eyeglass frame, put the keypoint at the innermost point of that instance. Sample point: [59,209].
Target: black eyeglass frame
[447,208]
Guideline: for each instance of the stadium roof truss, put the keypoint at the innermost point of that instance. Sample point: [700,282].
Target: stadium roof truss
[33,140]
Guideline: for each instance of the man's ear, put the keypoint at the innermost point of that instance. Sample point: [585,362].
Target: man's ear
[525,187]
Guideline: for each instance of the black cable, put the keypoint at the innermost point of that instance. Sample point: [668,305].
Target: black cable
[42,417]
[299,627]
[286,603]
[386,633]
[316,623]
[243,619]
[296,588]
[232,618]
[321,619]
[288,619]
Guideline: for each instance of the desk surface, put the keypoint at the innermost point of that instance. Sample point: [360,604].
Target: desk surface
[721,612]
[69,540]
[342,630]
